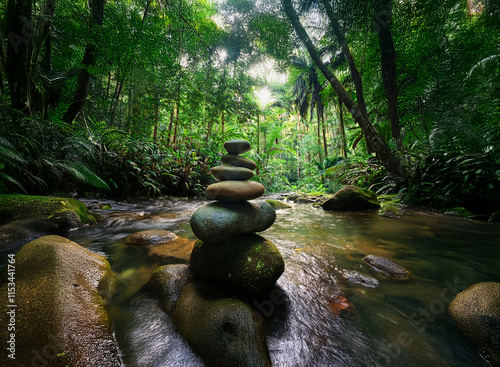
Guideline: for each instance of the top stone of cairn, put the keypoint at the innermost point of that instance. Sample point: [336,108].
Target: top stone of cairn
[237,146]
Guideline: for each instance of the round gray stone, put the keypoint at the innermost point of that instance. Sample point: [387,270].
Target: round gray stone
[231,173]
[219,220]
[235,190]
[237,146]
[236,160]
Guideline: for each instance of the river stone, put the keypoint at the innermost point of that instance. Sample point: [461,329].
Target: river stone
[24,218]
[352,198]
[237,146]
[248,264]
[222,331]
[219,220]
[388,266]
[235,160]
[278,204]
[231,173]
[151,237]
[476,311]
[61,320]
[235,190]
[167,283]
[164,244]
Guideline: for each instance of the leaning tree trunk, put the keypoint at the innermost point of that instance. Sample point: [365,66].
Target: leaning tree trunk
[89,58]
[18,24]
[382,21]
[390,162]
[356,77]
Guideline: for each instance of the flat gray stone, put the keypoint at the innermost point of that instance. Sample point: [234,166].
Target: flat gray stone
[236,160]
[237,146]
[235,190]
[231,173]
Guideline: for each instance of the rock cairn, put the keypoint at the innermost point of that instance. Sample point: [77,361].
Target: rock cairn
[229,252]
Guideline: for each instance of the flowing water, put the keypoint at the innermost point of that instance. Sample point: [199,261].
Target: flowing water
[337,311]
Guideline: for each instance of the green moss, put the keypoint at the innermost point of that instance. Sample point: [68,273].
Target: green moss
[14,207]
[276,204]
[460,212]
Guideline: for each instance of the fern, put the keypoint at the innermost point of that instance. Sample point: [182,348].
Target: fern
[85,175]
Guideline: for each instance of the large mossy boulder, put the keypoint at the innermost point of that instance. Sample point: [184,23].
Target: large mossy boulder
[248,264]
[221,330]
[60,318]
[24,217]
[476,311]
[219,220]
[352,198]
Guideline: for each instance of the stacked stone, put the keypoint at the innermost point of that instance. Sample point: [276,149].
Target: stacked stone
[229,252]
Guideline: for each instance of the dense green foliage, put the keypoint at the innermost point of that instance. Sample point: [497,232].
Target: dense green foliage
[158,86]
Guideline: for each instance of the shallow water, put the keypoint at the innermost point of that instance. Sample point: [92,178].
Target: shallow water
[335,314]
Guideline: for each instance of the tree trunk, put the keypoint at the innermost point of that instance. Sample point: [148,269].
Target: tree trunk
[325,147]
[170,126]
[382,21]
[390,162]
[318,118]
[343,140]
[89,58]
[356,77]
[258,142]
[18,24]
[176,123]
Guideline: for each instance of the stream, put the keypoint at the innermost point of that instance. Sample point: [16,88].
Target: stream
[338,311]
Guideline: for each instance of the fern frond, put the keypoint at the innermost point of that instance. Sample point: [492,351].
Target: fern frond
[85,175]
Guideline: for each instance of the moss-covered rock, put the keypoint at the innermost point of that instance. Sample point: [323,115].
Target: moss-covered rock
[277,204]
[352,198]
[24,217]
[248,264]
[459,211]
[222,331]
[495,217]
[60,318]
[15,207]
[476,311]
[389,210]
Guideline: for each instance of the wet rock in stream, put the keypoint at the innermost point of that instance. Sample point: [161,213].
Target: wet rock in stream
[387,266]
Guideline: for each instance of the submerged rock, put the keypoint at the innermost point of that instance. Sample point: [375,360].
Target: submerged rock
[163,244]
[358,278]
[278,205]
[222,331]
[151,237]
[388,266]
[217,221]
[235,191]
[476,311]
[167,283]
[60,318]
[352,198]
[248,264]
